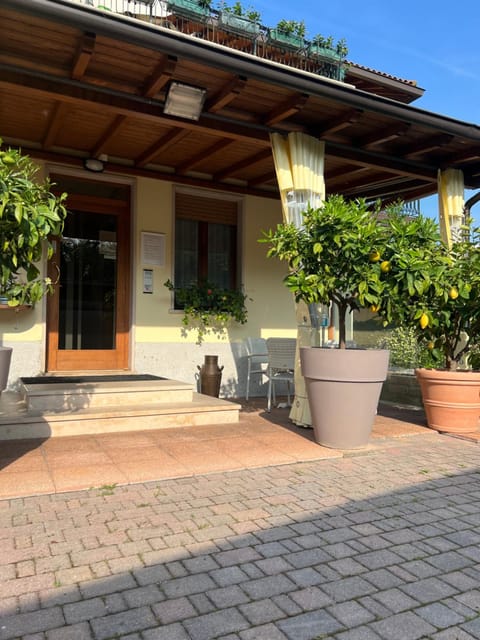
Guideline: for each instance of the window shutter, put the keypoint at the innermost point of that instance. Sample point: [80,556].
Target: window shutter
[213,210]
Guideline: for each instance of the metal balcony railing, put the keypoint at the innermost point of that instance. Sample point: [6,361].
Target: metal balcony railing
[229,30]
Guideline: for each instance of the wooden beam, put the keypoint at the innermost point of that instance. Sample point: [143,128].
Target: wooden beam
[383,135]
[55,123]
[227,93]
[286,109]
[263,179]
[170,138]
[342,121]
[110,133]
[429,144]
[83,56]
[242,164]
[220,145]
[162,73]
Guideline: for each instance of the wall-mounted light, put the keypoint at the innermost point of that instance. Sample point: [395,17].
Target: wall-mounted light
[97,165]
[184,101]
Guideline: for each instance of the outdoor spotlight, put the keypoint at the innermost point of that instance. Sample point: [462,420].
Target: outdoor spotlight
[184,101]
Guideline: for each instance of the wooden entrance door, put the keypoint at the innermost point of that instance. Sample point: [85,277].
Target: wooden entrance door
[88,317]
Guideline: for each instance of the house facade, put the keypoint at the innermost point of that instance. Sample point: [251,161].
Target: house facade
[156,195]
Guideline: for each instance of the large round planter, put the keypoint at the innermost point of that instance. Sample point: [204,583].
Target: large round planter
[343,389]
[451,399]
[5,359]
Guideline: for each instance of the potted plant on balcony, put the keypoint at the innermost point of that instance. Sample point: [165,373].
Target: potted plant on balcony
[190,9]
[30,214]
[208,308]
[240,20]
[288,34]
[437,294]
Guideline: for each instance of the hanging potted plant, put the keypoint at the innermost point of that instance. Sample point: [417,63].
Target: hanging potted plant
[436,294]
[208,308]
[288,34]
[239,20]
[30,214]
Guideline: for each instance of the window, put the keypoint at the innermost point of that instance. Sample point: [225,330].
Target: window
[205,241]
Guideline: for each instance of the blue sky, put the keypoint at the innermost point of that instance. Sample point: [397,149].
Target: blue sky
[418,40]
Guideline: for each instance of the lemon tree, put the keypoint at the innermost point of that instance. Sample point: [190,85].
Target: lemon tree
[29,215]
[335,257]
[431,288]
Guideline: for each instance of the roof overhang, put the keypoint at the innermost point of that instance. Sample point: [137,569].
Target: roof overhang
[78,82]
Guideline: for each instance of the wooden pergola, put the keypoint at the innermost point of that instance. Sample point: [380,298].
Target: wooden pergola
[77,82]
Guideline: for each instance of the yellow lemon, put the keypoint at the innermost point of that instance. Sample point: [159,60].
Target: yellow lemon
[374,256]
[374,308]
[423,321]
[385,266]
[453,293]
[430,345]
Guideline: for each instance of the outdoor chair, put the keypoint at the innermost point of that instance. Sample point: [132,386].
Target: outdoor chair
[257,359]
[281,366]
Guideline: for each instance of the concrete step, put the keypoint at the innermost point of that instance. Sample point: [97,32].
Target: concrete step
[17,421]
[93,391]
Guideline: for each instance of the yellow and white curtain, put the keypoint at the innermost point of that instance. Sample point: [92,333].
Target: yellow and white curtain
[451,204]
[299,165]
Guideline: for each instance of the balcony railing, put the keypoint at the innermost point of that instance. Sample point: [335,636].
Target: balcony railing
[229,30]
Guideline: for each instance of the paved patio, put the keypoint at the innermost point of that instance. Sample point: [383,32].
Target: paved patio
[383,543]
[259,439]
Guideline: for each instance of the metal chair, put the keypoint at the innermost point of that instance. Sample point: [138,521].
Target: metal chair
[257,359]
[281,365]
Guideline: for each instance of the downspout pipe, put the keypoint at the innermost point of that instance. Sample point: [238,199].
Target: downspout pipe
[235,62]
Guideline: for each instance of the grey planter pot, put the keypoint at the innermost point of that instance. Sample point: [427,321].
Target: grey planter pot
[343,389]
[5,359]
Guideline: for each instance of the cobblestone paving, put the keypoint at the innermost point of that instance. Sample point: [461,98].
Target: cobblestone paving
[384,545]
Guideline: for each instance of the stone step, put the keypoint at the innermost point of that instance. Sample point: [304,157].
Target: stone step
[66,395]
[17,421]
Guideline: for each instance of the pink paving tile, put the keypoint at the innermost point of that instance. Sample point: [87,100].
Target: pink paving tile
[134,453]
[124,440]
[25,462]
[63,459]
[74,478]
[148,470]
[299,448]
[26,483]
[71,444]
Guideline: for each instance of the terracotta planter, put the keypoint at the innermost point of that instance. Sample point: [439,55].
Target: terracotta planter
[5,359]
[343,389]
[451,399]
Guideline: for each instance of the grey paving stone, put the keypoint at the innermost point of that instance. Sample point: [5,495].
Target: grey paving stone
[428,590]
[360,633]
[402,626]
[79,631]
[215,624]
[268,587]
[395,600]
[228,575]
[32,622]
[351,614]
[197,583]
[261,612]
[263,632]
[439,615]
[307,626]
[174,610]
[123,623]
[348,588]
[227,596]
[167,632]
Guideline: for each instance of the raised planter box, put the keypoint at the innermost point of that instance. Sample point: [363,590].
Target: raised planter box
[238,24]
[188,9]
[324,53]
[285,40]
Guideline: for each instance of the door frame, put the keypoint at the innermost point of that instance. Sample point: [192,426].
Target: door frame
[95,360]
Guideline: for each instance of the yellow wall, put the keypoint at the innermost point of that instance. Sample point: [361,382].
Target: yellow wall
[270,305]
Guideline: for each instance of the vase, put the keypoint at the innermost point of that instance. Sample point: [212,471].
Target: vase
[210,376]
[343,390]
[451,399]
